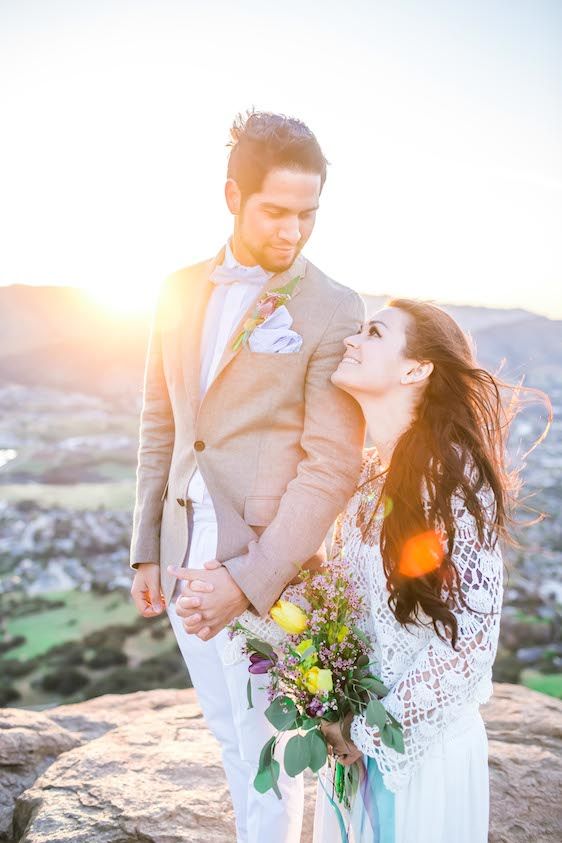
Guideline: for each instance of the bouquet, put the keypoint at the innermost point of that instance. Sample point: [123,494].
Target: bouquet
[319,671]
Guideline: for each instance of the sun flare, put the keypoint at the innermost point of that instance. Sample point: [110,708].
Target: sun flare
[122,299]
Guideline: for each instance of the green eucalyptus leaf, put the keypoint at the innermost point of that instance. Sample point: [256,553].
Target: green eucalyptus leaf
[398,740]
[267,779]
[263,780]
[374,685]
[266,754]
[275,770]
[282,713]
[297,754]
[318,750]
[394,721]
[261,647]
[376,714]
[387,736]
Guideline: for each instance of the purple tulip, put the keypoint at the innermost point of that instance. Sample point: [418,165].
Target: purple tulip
[259,663]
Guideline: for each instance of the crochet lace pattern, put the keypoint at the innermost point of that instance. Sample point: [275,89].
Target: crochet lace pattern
[430,683]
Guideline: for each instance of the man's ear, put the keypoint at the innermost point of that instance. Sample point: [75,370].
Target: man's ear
[233,196]
[418,373]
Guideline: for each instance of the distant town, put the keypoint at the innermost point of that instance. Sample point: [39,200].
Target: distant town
[67,475]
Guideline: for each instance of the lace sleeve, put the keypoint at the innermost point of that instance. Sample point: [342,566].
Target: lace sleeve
[441,680]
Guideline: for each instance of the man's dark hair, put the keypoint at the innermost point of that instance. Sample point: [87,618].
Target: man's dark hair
[262,141]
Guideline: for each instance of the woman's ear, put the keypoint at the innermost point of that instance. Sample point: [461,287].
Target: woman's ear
[233,196]
[418,373]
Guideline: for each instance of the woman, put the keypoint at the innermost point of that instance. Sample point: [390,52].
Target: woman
[421,537]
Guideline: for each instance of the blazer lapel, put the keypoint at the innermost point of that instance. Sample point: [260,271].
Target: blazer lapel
[276,281]
[190,339]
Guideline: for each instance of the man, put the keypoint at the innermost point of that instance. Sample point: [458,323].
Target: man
[247,451]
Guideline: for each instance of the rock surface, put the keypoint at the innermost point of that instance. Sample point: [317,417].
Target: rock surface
[525,750]
[29,743]
[143,767]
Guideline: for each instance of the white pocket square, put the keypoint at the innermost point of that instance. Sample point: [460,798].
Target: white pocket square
[274,336]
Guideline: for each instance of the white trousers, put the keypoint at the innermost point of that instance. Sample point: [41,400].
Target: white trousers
[241,732]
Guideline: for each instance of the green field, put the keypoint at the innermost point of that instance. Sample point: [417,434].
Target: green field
[84,612]
[116,495]
[63,643]
[546,683]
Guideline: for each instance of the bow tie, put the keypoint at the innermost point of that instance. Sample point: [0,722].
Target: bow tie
[246,274]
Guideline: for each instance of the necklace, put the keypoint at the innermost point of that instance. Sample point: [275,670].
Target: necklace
[373,505]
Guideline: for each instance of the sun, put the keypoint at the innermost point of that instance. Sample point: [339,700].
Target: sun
[122,299]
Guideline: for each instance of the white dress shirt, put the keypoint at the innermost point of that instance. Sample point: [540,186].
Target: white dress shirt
[226,306]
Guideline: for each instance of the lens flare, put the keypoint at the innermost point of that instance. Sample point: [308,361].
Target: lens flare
[388,506]
[421,554]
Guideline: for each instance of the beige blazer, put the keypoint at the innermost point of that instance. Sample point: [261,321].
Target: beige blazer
[278,445]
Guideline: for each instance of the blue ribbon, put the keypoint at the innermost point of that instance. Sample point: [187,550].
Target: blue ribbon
[372,818]
[339,816]
[372,815]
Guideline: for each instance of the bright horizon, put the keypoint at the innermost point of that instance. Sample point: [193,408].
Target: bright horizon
[442,123]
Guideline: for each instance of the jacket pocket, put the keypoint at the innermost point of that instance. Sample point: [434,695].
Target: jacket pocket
[260,511]
[165,492]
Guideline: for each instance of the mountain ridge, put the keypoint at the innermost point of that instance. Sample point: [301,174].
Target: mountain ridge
[60,337]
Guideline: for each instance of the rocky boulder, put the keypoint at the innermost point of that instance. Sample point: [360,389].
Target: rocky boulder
[143,767]
[525,751]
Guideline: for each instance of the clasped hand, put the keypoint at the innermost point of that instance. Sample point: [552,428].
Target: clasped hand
[210,599]
[342,747]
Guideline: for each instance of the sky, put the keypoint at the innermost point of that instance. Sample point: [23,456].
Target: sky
[442,122]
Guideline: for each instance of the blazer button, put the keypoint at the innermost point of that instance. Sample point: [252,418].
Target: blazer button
[181,501]
[199,446]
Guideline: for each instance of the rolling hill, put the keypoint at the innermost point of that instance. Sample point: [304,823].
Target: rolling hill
[58,337]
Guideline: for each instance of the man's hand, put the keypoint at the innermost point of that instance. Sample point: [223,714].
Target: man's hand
[343,747]
[214,595]
[145,590]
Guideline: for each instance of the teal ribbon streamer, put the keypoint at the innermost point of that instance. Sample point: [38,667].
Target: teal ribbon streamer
[372,817]
[339,816]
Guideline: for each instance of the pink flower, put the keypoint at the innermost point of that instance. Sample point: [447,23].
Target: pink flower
[266,307]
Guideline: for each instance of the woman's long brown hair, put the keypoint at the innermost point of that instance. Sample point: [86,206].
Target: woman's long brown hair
[454,447]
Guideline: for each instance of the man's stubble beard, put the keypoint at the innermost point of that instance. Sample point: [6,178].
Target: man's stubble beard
[261,258]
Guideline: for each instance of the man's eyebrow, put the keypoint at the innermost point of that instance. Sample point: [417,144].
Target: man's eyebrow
[271,206]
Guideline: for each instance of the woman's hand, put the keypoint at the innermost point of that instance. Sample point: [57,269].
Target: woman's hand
[339,741]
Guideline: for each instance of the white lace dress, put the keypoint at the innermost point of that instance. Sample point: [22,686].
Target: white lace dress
[441,781]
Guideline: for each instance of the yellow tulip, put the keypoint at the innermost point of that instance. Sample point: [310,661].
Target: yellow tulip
[289,617]
[317,679]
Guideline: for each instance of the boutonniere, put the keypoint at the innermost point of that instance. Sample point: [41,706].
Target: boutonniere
[265,306]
